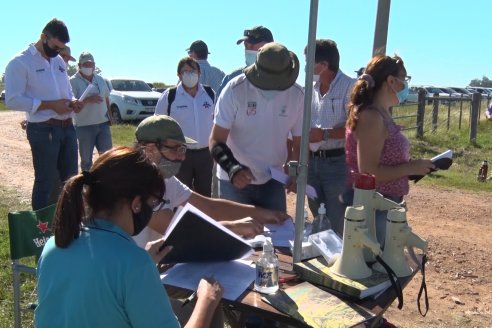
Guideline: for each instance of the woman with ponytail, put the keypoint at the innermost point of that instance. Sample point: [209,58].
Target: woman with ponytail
[91,273]
[374,143]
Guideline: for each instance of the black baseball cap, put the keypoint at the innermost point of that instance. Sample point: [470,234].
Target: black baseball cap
[256,35]
[199,47]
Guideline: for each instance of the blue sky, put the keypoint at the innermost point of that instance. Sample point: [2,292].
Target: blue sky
[443,43]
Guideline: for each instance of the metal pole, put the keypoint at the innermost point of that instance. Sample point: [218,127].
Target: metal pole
[381,31]
[306,125]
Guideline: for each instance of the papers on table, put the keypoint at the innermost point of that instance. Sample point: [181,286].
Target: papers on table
[280,234]
[234,276]
[280,176]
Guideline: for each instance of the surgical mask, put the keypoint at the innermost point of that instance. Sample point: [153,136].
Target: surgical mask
[403,93]
[250,57]
[87,71]
[168,168]
[142,218]
[52,53]
[189,79]
[268,94]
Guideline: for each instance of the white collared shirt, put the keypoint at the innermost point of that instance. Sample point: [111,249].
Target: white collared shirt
[259,127]
[194,114]
[330,110]
[31,79]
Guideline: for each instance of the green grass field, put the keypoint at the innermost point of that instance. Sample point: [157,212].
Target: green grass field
[463,175]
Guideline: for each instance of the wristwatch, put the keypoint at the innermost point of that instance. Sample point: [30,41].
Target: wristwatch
[326,134]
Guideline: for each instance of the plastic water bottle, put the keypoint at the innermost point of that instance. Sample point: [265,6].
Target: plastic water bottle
[308,226]
[321,222]
[266,280]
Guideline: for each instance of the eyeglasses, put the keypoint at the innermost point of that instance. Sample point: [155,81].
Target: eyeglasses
[181,149]
[406,78]
[55,47]
[189,72]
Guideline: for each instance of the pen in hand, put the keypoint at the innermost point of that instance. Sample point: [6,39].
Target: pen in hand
[189,299]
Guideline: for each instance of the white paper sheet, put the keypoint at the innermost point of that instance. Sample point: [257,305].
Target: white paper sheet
[90,88]
[234,276]
[447,154]
[280,176]
[280,234]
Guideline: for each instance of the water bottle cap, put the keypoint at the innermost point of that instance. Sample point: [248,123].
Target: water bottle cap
[322,209]
[267,245]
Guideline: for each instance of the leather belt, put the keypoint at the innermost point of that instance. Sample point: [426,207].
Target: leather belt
[197,150]
[328,153]
[59,123]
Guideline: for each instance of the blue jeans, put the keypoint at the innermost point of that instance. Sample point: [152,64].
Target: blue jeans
[269,195]
[54,157]
[90,136]
[327,175]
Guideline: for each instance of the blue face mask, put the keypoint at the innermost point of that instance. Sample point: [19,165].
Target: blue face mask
[250,57]
[403,93]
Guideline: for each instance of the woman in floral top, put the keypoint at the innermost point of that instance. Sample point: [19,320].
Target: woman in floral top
[374,143]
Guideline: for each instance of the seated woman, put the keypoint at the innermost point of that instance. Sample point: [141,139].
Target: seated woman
[374,143]
[91,273]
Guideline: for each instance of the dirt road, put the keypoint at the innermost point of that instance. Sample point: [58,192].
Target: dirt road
[456,223]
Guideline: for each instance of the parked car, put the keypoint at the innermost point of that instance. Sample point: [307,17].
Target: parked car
[462,91]
[413,95]
[131,99]
[480,90]
[2,95]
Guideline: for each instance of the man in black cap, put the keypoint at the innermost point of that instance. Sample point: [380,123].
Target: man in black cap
[253,119]
[253,39]
[209,75]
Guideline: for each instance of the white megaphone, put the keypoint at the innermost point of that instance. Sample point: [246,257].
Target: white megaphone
[365,194]
[351,263]
[399,235]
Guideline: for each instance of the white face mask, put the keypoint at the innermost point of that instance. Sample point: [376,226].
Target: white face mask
[87,71]
[189,79]
[250,57]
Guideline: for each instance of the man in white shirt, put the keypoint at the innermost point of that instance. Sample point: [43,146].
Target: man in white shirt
[327,167]
[36,82]
[165,144]
[254,116]
[191,104]
[210,75]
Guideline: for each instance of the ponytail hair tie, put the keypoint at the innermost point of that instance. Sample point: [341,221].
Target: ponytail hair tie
[368,78]
[88,178]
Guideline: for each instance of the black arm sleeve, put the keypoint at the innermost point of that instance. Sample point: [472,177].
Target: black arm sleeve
[222,154]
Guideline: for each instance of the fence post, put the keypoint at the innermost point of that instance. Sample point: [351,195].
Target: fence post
[476,98]
[420,113]
[461,112]
[449,112]
[435,111]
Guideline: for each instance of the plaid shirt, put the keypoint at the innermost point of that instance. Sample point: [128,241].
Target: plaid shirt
[210,75]
[330,110]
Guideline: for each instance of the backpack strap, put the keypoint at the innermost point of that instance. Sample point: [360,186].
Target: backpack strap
[210,92]
[172,95]
[170,98]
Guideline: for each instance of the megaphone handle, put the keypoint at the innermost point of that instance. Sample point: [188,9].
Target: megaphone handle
[423,288]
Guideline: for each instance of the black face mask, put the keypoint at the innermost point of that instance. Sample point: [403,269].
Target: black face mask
[142,218]
[52,53]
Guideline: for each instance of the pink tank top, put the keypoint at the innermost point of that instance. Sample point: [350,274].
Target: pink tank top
[396,150]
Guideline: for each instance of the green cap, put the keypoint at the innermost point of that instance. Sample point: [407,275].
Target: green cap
[160,128]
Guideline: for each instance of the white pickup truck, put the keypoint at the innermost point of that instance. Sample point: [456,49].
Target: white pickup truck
[131,99]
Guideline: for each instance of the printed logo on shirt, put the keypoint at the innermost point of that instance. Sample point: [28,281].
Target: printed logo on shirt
[251,110]
[181,107]
[206,105]
[40,70]
[61,69]
[283,111]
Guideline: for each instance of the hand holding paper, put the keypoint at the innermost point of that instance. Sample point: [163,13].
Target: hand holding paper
[90,89]
[442,162]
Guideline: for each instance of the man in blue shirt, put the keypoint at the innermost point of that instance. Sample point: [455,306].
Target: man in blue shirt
[209,75]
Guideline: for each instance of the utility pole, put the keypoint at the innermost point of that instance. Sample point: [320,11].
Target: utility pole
[381,31]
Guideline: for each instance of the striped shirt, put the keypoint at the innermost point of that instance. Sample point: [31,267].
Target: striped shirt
[210,75]
[330,110]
